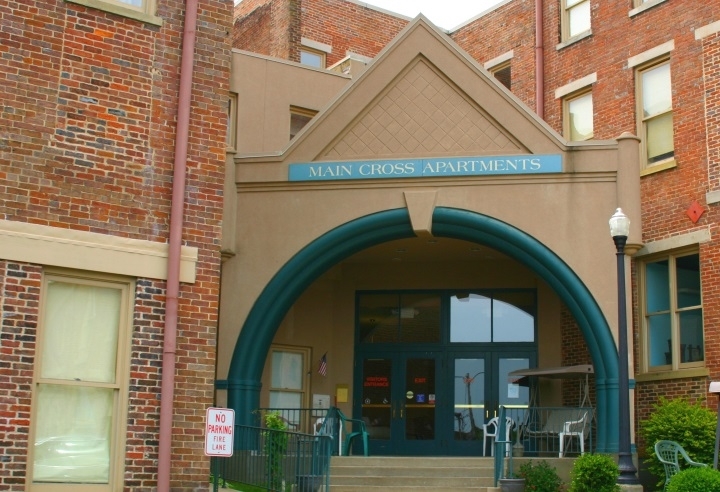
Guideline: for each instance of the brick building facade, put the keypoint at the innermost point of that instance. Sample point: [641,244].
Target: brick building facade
[89,136]
[97,118]
[604,50]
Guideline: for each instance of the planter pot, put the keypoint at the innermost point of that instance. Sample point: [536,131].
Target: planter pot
[512,484]
[518,450]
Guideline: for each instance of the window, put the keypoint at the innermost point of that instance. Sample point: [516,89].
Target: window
[299,117]
[576,18]
[81,382]
[672,312]
[503,74]
[655,118]
[287,378]
[578,117]
[312,57]
[143,10]
[231,137]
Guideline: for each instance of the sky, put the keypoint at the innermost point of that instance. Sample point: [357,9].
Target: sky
[443,13]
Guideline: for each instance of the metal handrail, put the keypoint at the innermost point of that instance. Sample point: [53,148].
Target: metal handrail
[274,459]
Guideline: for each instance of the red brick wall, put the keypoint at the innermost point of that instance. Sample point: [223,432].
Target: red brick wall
[510,27]
[710,252]
[19,300]
[88,102]
[348,26]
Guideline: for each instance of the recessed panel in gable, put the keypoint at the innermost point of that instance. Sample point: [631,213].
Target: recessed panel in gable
[422,113]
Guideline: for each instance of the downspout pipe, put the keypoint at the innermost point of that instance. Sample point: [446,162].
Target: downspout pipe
[539,61]
[167,388]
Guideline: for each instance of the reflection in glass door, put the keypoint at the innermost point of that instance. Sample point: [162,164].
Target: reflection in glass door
[469,399]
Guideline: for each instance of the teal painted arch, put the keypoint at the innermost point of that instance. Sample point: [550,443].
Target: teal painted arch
[299,272]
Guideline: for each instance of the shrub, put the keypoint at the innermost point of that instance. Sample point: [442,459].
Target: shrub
[693,479]
[690,425]
[276,442]
[540,477]
[594,473]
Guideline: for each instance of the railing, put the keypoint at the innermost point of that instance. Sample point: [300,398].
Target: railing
[552,431]
[302,420]
[275,460]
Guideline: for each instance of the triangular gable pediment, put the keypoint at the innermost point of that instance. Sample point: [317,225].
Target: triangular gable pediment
[422,112]
[422,96]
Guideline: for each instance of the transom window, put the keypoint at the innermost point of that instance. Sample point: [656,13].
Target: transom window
[474,317]
[672,312]
[576,18]
[578,117]
[655,112]
[81,383]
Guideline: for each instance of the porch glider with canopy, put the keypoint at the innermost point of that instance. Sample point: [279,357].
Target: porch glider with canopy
[548,424]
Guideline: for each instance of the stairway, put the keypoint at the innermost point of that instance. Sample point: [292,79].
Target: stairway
[396,473]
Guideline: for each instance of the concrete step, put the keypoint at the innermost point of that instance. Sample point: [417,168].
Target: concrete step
[396,473]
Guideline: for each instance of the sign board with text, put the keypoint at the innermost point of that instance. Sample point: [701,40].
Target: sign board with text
[219,431]
[426,168]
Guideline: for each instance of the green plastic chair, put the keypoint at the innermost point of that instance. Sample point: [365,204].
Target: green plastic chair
[668,453]
[343,431]
[357,428]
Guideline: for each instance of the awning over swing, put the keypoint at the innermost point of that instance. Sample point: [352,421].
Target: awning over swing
[566,372]
[582,371]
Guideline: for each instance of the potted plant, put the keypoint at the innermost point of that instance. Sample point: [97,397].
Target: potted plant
[512,484]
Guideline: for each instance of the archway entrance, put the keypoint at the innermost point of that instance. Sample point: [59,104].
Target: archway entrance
[288,284]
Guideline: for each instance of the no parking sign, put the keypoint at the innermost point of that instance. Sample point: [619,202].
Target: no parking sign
[219,431]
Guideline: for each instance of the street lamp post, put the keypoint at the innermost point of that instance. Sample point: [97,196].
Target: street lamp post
[619,230]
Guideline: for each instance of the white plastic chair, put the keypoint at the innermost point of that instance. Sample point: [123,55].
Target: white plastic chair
[579,428]
[490,430]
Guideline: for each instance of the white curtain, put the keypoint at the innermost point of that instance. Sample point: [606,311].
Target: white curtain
[74,422]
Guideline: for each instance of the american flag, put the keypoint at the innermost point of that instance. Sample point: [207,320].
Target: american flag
[322,368]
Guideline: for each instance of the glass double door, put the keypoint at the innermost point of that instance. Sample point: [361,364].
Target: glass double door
[436,402]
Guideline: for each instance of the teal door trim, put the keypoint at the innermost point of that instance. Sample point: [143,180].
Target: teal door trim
[299,272]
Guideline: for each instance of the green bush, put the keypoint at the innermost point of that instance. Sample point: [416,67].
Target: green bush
[690,425]
[695,479]
[540,477]
[594,473]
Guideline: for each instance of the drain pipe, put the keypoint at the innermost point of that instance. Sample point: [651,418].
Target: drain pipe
[167,388]
[539,61]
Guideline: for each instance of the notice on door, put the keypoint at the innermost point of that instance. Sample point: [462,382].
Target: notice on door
[219,431]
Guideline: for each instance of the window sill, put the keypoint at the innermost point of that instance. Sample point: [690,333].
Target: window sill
[573,40]
[119,10]
[695,372]
[661,166]
[646,6]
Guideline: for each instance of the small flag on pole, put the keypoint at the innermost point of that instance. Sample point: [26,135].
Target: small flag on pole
[322,368]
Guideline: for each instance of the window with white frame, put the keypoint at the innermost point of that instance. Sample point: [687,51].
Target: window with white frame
[288,380]
[139,9]
[578,116]
[80,384]
[655,112]
[672,312]
[312,57]
[575,18]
